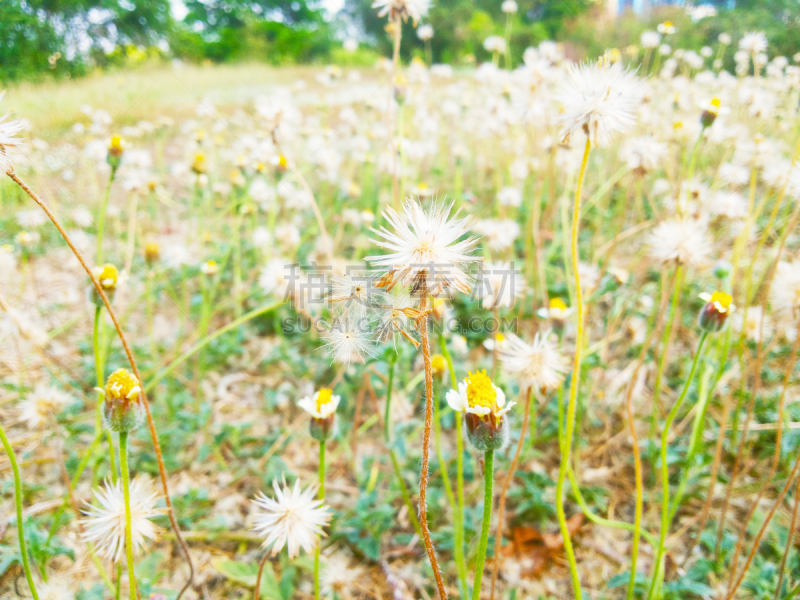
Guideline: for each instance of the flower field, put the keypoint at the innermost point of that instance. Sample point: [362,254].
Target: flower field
[411,331]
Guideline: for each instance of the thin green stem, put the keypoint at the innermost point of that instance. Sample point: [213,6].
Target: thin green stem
[206,340]
[575,383]
[321,497]
[101,218]
[658,566]
[598,520]
[412,515]
[99,368]
[123,467]
[23,550]
[662,361]
[487,518]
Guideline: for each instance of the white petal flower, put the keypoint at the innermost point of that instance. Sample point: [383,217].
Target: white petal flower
[321,405]
[294,518]
[457,399]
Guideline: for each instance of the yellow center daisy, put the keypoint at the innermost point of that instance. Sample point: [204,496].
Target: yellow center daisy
[481,392]
[122,385]
[323,398]
[721,298]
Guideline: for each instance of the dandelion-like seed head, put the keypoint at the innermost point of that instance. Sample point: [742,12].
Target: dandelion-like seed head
[537,366]
[600,100]
[294,518]
[427,249]
[682,241]
[42,405]
[348,341]
[402,9]
[9,141]
[104,523]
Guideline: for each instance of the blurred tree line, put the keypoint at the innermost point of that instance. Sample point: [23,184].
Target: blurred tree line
[71,37]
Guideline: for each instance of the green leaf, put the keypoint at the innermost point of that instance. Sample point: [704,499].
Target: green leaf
[245,574]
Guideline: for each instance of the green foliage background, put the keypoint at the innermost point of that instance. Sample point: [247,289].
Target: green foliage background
[39,37]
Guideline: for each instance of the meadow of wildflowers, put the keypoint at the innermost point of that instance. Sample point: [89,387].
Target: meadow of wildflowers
[411,332]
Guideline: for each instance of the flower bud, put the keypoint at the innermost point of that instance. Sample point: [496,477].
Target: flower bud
[486,433]
[484,405]
[115,150]
[322,408]
[714,315]
[722,269]
[123,409]
[709,115]
[152,253]
[199,166]
[107,276]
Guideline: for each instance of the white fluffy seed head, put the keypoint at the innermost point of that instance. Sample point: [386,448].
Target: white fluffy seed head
[294,518]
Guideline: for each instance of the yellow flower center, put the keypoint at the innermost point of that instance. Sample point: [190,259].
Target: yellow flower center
[107,276]
[557,304]
[677,125]
[480,391]
[122,385]
[438,363]
[499,337]
[323,398]
[722,298]
[116,143]
[282,162]
[667,23]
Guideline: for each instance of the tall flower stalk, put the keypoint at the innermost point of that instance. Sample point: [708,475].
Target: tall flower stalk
[23,548]
[569,425]
[123,465]
[427,255]
[129,354]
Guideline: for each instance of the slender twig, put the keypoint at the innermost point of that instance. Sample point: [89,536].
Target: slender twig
[426,439]
[458,526]
[789,541]
[129,353]
[260,573]
[757,542]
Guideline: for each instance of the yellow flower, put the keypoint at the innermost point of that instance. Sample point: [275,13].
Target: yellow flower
[477,395]
[121,385]
[122,407]
[199,165]
[438,364]
[209,268]
[107,275]
[151,252]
